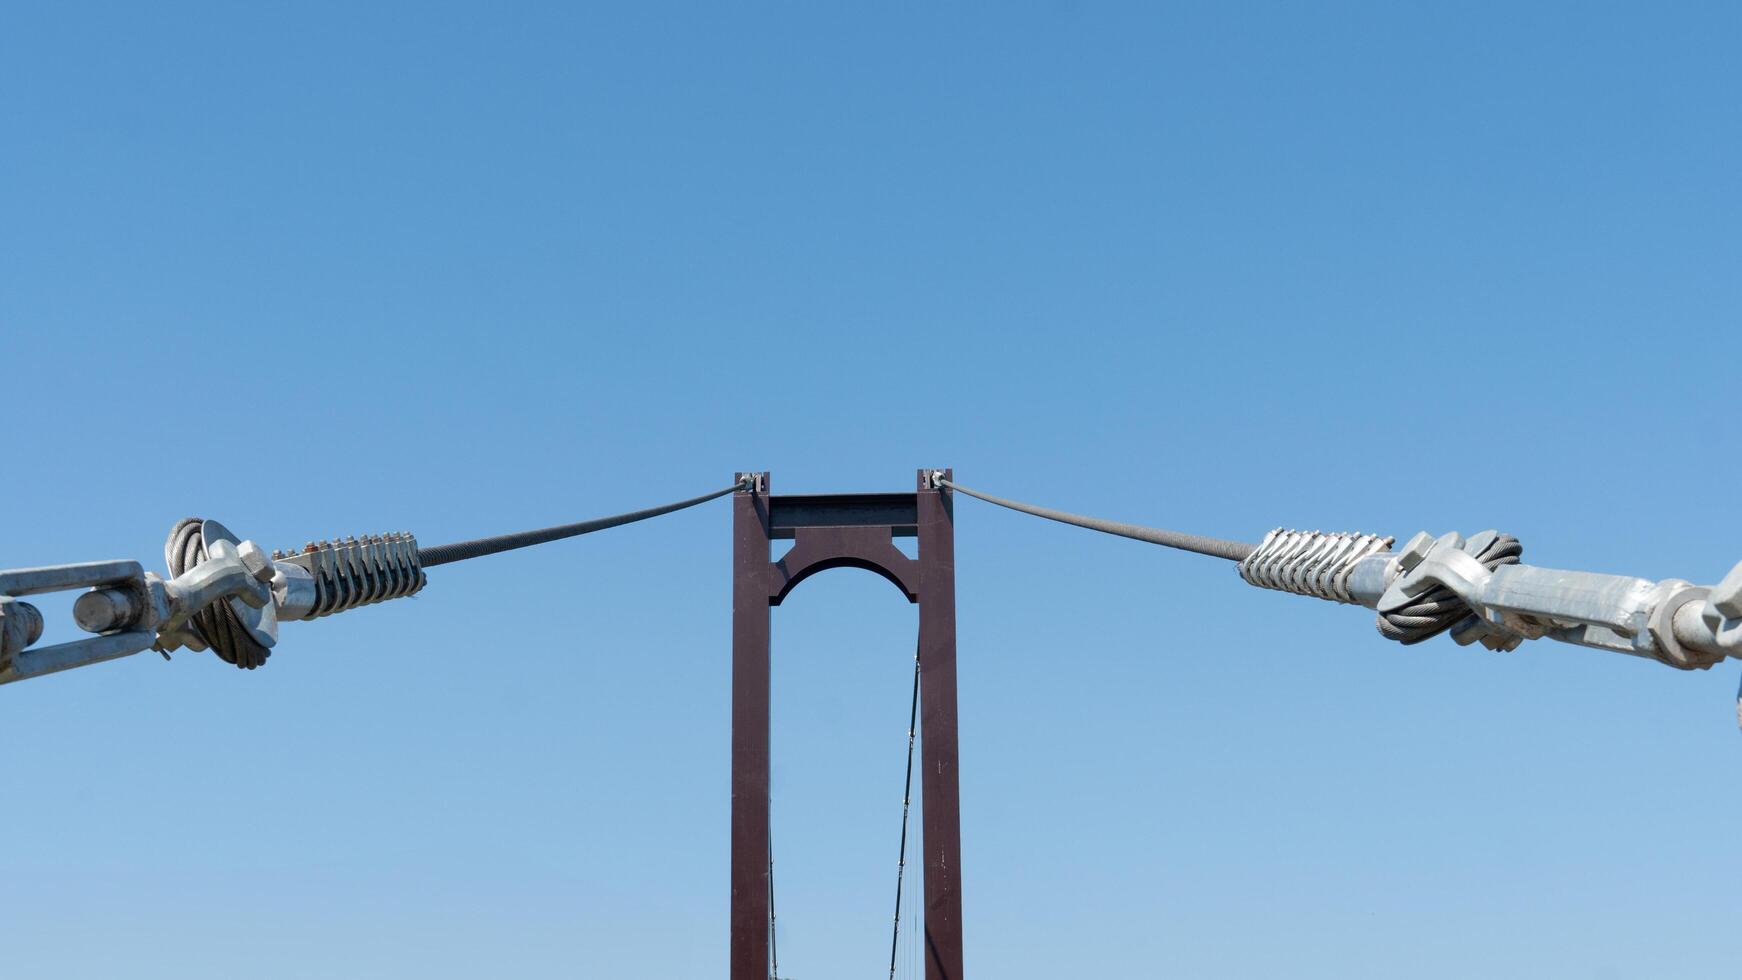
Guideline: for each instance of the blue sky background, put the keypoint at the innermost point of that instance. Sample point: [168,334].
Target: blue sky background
[318,270]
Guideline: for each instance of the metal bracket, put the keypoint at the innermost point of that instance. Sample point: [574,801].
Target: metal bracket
[1513,603]
[132,610]
[19,661]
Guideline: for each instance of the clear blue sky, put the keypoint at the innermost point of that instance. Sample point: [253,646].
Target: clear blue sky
[319,269]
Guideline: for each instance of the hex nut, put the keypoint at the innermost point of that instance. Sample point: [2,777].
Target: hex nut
[1661,627]
[256,561]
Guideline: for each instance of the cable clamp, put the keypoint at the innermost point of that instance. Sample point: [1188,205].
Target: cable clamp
[1312,563]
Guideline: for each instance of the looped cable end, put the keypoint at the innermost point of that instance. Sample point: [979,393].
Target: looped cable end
[217,626]
[1410,613]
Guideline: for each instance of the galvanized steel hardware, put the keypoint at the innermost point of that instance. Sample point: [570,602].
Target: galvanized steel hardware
[1675,622]
[227,595]
[224,593]
[131,610]
[21,623]
[333,577]
[1310,562]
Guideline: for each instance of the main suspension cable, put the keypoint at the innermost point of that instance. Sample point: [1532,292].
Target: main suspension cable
[442,554]
[1214,547]
[906,803]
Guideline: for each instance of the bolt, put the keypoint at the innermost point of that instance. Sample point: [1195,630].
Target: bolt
[20,625]
[1416,550]
[254,559]
[102,610]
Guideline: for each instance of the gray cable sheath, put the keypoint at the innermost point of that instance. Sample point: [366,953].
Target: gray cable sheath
[442,554]
[1197,543]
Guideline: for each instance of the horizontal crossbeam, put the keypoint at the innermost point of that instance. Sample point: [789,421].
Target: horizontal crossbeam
[897,511]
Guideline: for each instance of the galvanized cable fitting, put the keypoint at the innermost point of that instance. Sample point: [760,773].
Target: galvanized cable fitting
[1428,613]
[235,635]
[1326,566]
[351,573]
[1671,621]
[1312,563]
[228,595]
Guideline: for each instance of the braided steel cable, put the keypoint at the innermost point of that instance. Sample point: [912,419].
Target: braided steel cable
[217,624]
[443,554]
[353,572]
[1315,563]
[1196,543]
[1439,608]
[1311,563]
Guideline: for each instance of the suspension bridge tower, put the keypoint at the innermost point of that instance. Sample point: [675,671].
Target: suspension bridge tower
[844,531]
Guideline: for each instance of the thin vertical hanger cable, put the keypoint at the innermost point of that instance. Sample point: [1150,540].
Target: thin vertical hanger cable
[906,804]
[773,939]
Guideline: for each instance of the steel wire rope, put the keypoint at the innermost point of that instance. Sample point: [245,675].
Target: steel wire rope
[1283,555]
[906,804]
[1197,543]
[443,554]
